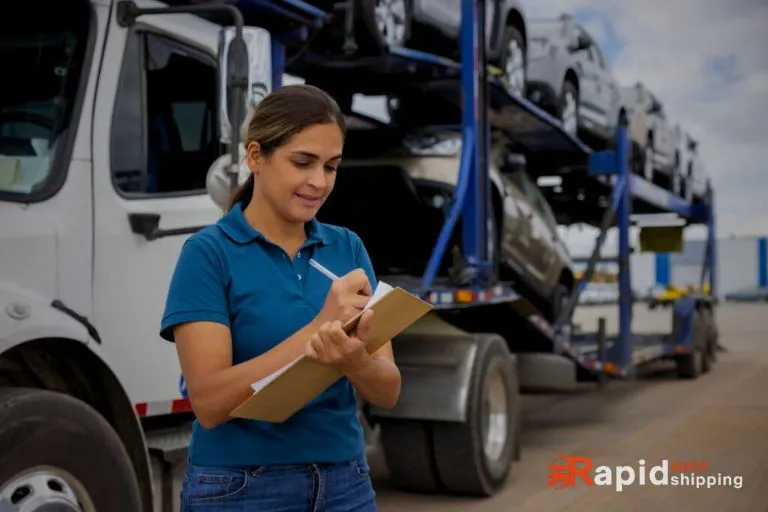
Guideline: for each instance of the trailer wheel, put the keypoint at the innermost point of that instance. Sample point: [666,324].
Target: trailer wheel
[57,452]
[712,335]
[708,341]
[407,447]
[691,365]
[475,457]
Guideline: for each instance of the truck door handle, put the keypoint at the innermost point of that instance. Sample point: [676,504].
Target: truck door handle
[147,224]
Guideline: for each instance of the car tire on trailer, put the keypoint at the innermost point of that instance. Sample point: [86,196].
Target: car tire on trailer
[512,61]
[372,38]
[648,166]
[58,451]
[568,109]
[475,457]
[560,297]
[407,447]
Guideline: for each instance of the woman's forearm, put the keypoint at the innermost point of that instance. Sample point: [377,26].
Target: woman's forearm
[214,395]
[377,380]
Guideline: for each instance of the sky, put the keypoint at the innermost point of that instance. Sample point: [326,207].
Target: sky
[707,60]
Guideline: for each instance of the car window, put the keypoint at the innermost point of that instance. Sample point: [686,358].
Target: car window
[519,181]
[542,206]
[533,196]
[597,56]
[164,129]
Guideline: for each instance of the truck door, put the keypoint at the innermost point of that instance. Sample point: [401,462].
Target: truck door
[155,135]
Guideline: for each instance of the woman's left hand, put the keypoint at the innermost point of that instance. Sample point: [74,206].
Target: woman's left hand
[333,347]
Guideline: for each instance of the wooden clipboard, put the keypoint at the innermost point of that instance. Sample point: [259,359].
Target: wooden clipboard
[300,382]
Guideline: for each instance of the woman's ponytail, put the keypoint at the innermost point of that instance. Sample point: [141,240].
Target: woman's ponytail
[243,193]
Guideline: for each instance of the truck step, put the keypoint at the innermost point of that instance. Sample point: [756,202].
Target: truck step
[171,444]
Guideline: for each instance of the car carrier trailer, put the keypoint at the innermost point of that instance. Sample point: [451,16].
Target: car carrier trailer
[456,428]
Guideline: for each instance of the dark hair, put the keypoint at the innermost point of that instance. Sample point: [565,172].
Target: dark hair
[281,115]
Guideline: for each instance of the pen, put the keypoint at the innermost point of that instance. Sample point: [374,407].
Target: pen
[327,273]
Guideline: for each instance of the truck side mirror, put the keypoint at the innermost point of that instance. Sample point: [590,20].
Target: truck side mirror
[245,77]
[219,180]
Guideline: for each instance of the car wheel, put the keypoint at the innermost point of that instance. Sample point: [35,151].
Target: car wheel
[560,297]
[388,22]
[648,171]
[512,62]
[677,177]
[569,108]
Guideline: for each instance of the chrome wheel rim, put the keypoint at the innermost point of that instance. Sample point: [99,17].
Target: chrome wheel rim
[570,114]
[45,488]
[496,422]
[514,68]
[390,21]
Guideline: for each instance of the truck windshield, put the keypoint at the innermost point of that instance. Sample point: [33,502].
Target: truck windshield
[42,56]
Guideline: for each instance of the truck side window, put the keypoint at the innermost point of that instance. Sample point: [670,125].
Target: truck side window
[164,129]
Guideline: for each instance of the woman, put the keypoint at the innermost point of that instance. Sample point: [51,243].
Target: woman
[244,301]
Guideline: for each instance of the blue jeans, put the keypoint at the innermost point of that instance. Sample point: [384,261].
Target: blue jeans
[344,486]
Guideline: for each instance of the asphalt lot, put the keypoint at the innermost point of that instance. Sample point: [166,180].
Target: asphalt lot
[721,418]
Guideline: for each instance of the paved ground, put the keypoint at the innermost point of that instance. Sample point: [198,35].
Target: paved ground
[722,419]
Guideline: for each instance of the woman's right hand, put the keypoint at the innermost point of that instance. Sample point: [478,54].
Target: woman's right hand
[347,297]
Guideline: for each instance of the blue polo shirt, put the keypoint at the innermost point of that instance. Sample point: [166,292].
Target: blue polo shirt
[231,274]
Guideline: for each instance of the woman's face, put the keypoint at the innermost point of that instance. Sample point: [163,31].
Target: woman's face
[298,177]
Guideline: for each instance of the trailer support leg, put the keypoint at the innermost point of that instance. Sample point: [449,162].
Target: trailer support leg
[601,377]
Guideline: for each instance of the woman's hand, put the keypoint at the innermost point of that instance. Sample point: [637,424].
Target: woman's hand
[333,347]
[347,297]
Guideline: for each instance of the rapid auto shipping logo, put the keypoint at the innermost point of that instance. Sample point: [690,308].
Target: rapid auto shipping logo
[565,471]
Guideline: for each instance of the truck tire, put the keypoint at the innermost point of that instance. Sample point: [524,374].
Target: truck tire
[475,457]
[407,446]
[58,451]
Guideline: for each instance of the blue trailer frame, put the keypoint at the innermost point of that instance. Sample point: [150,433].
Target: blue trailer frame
[482,104]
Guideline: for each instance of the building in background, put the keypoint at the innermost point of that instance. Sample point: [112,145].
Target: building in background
[742,264]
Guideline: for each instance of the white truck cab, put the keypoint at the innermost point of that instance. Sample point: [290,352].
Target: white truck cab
[108,130]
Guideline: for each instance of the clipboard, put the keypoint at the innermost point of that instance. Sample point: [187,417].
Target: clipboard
[283,393]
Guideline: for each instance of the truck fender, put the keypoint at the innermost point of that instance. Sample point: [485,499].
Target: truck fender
[435,370]
[26,317]
[29,322]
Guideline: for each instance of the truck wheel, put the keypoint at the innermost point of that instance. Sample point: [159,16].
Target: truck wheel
[57,452]
[475,457]
[408,454]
